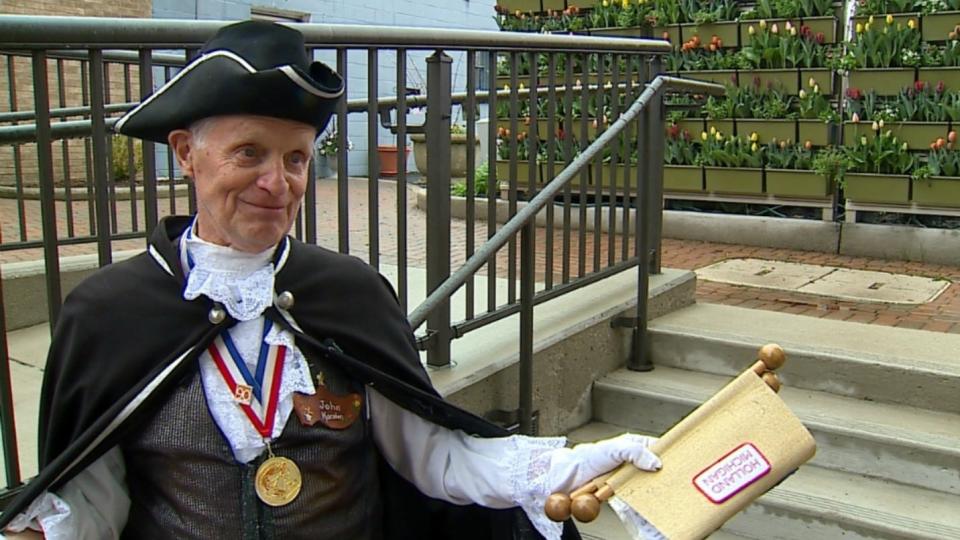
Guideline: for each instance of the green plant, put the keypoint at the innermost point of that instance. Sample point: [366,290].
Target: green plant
[881,43]
[831,163]
[882,154]
[772,47]
[480,179]
[789,9]
[680,148]
[877,7]
[120,166]
[721,151]
[812,104]
[329,144]
[784,155]
[943,158]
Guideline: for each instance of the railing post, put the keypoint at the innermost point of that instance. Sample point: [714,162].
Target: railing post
[655,208]
[438,203]
[99,143]
[8,427]
[48,211]
[639,359]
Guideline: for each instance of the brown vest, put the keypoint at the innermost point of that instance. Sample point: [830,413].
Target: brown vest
[184,482]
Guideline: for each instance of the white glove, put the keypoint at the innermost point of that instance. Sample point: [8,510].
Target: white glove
[570,468]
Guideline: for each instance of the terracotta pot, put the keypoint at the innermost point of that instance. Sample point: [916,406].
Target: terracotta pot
[387,155]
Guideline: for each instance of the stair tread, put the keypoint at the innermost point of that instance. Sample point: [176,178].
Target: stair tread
[934,430]
[846,497]
[856,342]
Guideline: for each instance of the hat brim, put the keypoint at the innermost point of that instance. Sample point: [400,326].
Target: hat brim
[221,83]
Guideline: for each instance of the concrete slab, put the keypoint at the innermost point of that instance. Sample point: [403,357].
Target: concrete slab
[857,285]
[29,345]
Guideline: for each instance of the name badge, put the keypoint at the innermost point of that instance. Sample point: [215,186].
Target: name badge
[332,410]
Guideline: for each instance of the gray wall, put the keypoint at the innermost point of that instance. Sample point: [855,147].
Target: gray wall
[465,14]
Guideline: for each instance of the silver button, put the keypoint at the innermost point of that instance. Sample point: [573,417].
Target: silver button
[285,300]
[217,314]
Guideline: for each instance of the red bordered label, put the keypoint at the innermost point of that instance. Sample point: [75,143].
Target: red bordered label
[732,473]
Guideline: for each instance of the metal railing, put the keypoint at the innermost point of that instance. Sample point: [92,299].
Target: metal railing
[584,88]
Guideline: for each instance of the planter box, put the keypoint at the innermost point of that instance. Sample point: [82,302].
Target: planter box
[682,178]
[786,80]
[672,32]
[527,6]
[827,25]
[726,31]
[782,130]
[917,135]
[723,126]
[949,75]
[745,27]
[622,31]
[877,188]
[522,127]
[797,183]
[936,26]
[815,131]
[555,4]
[720,76]
[937,191]
[821,76]
[734,180]
[523,174]
[694,125]
[878,20]
[884,81]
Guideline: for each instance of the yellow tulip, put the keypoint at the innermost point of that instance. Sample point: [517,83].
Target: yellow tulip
[793,31]
[718,136]
[521,87]
[753,147]
[506,88]
[863,140]
[775,29]
[788,26]
[625,4]
[703,135]
[859,28]
[713,130]
[904,147]
[605,3]
[875,126]
[870,19]
[763,24]
[880,123]
[816,88]
[911,24]
[866,27]
[803,93]
[812,82]
[751,30]
[889,19]
[754,137]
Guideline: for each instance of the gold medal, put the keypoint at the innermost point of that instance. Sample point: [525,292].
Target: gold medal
[278,481]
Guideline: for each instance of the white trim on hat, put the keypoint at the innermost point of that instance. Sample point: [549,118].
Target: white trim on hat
[287,70]
[296,78]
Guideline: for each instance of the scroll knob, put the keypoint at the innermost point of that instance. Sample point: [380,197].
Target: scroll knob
[557,507]
[585,508]
[772,356]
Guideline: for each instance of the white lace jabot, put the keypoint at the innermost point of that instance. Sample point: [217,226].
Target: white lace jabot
[242,282]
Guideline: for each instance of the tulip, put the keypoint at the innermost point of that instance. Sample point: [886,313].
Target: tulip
[625,4]
[751,30]
[521,87]
[881,124]
[718,136]
[816,89]
[859,28]
[856,118]
[803,93]
[904,147]
[754,137]
[889,19]
[952,136]
[703,135]
[866,27]
[753,147]
[763,24]
[869,19]
[811,82]
[863,141]
[605,3]
[940,142]
[808,145]
[875,126]
[793,31]
[775,29]
[713,130]
[911,24]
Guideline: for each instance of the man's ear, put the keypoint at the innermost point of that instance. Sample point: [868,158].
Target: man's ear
[181,143]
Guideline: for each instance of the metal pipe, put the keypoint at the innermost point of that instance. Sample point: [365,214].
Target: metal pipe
[528,212]
[36,32]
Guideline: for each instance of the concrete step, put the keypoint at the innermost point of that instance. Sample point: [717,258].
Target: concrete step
[878,363]
[818,503]
[905,444]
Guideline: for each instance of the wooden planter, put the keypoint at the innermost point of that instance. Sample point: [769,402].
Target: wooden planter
[733,180]
[682,178]
[917,135]
[672,32]
[622,31]
[726,31]
[821,76]
[827,25]
[786,80]
[815,131]
[949,75]
[937,191]
[719,76]
[883,81]
[936,26]
[782,130]
[797,183]
[877,188]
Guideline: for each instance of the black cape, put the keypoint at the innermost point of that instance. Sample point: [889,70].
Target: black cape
[126,336]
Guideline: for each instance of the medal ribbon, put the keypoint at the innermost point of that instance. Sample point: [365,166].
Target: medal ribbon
[265,384]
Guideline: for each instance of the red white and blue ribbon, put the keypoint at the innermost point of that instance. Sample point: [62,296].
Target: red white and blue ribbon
[256,393]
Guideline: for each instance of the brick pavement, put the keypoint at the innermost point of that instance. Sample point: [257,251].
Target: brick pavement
[941,315]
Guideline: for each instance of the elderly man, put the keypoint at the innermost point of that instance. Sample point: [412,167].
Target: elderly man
[232,382]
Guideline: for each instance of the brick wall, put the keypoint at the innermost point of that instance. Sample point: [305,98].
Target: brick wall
[64,80]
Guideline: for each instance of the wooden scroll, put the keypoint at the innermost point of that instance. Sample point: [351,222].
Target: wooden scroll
[719,458]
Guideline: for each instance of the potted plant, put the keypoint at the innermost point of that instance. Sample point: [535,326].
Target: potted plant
[879,170]
[919,114]
[789,171]
[731,164]
[513,157]
[937,182]
[942,63]
[328,150]
[713,19]
[816,115]
[458,151]
[780,53]
[620,18]
[876,57]
[680,170]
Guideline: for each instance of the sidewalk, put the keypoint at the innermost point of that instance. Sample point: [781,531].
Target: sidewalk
[940,315]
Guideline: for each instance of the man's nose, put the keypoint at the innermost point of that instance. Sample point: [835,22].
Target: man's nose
[273,177]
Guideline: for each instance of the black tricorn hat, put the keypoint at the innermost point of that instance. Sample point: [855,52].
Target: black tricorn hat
[252,67]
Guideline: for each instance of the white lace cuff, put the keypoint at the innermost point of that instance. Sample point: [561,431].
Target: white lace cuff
[529,465]
[638,527]
[47,513]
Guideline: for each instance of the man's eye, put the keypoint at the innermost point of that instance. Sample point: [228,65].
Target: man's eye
[298,159]
[248,152]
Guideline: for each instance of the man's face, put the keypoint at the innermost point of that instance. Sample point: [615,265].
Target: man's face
[250,174]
